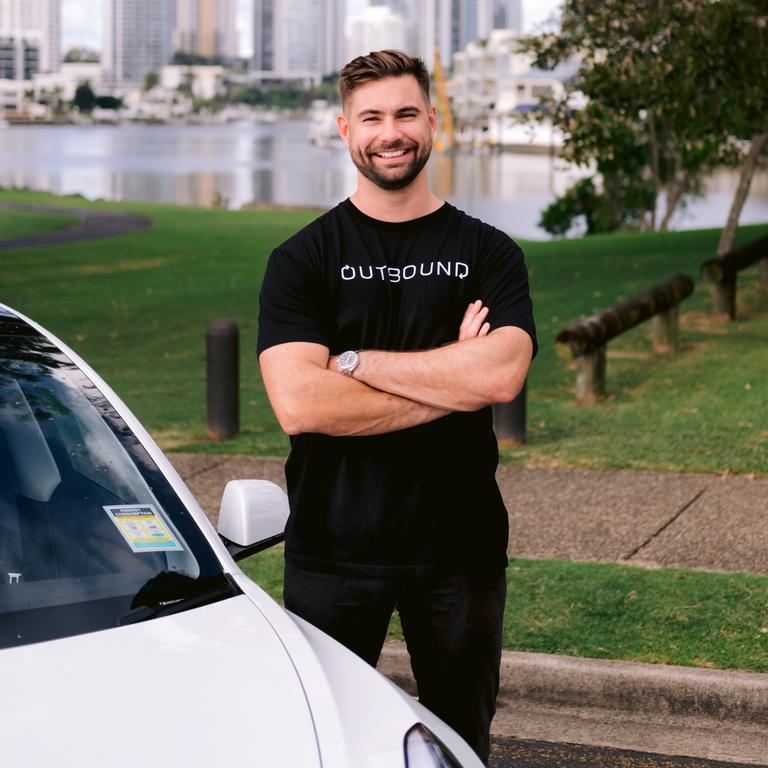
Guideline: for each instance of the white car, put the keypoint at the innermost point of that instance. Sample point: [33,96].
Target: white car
[128,634]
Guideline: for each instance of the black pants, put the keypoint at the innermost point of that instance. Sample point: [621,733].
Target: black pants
[452,625]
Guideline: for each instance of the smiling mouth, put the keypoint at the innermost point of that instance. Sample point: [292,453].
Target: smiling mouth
[392,153]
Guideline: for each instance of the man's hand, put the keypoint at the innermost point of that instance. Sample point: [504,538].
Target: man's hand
[395,390]
[308,398]
[473,324]
[480,368]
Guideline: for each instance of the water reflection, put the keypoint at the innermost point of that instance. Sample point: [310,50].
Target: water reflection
[244,162]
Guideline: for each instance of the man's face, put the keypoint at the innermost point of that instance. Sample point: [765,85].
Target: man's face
[388,128]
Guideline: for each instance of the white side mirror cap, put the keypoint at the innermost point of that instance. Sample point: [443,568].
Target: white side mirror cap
[252,511]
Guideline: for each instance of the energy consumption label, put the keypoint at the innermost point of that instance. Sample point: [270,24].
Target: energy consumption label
[143,528]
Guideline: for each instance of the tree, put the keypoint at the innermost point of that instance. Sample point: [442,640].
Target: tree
[85,98]
[647,127]
[186,86]
[81,55]
[151,80]
[584,201]
[285,94]
[190,58]
[738,30]
[109,102]
[57,102]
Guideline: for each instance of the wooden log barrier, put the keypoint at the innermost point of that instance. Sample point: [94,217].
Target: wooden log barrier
[722,272]
[586,341]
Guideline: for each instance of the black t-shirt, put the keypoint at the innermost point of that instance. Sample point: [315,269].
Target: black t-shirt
[416,498]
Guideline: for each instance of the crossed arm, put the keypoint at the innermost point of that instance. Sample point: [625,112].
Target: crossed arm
[395,390]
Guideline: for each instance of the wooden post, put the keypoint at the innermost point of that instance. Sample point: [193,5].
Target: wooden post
[664,331]
[590,376]
[509,419]
[725,298]
[723,270]
[223,377]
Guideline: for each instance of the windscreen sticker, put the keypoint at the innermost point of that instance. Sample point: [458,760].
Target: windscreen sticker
[143,528]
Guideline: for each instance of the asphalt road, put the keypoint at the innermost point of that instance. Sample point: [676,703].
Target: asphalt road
[513,753]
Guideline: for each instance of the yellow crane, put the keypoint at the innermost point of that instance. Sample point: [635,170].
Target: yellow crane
[448,140]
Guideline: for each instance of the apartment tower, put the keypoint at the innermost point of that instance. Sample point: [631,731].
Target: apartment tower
[30,38]
[449,25]
[298,39]
[136,39]
[206,27]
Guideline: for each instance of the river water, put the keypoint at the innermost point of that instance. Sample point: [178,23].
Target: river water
[244,162]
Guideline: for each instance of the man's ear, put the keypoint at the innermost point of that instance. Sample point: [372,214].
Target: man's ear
[343,125]
[432,116]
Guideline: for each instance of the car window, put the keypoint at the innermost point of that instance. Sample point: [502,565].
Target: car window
[91,533]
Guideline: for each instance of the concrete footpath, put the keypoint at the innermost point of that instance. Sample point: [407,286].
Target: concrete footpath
[681,520]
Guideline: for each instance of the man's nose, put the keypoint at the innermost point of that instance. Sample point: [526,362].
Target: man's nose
[390,130]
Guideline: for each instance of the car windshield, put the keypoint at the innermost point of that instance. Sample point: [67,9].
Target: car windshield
[91,533]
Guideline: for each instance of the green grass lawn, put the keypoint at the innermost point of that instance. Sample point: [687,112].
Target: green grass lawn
[137,307]
[15,224]
[601,610]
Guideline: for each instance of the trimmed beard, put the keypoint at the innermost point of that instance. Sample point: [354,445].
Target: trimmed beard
[398,179]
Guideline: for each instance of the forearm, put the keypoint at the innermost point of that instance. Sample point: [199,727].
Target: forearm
[464,376]
[339,405]
[306,397]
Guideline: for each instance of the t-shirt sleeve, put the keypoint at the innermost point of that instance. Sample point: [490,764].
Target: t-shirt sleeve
[503,286]
[292,303]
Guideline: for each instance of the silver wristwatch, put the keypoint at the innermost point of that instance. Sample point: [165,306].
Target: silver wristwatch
[348,361]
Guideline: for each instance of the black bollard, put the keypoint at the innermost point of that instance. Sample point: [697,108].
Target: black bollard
[509,418]
[223,370]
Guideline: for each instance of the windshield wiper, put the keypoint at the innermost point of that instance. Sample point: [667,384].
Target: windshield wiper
[170,592]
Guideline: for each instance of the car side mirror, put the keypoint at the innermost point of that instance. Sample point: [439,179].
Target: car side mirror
[252,516]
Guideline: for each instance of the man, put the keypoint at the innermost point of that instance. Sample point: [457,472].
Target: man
[387,328]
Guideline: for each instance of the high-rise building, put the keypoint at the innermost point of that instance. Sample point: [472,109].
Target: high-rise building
[298,38]
[508,14]
[449,25]
[375,28]
[206,27]
[332,49]
[30,38]
[408,10]
[136,39]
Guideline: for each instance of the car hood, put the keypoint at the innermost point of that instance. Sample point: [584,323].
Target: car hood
[206,687]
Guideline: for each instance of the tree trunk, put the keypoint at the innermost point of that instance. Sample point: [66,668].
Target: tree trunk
[654,165]
[674,194]
[756,146]
[615,200]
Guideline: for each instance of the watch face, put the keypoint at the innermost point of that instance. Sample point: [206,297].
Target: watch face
[348,361]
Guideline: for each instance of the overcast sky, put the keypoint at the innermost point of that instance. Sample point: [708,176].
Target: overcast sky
[81,21]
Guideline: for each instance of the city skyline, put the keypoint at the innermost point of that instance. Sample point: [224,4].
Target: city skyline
[81,21]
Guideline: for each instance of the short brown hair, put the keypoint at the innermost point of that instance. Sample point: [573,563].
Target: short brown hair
[380,64]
